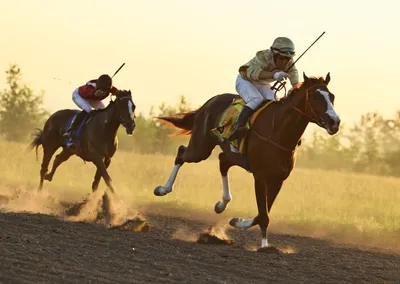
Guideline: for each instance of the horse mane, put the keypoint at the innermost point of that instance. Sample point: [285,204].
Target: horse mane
[311,81]
[120,93]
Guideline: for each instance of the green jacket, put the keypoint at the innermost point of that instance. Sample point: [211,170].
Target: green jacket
[264,61]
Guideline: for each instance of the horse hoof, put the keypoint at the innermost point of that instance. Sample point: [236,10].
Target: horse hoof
[161,191]
[234,221]
[269,250]
[48,177]
[218,208]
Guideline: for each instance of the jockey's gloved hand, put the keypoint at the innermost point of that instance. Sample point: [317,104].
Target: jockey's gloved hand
[99,93]
[279,76]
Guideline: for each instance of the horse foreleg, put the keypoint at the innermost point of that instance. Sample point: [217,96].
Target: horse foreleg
[245,224]
[273,188]
[263,214]
[60,158]
[102,169]
[96,181]
[224,166]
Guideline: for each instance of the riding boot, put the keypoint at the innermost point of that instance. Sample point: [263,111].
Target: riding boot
[239,128]
[75,122]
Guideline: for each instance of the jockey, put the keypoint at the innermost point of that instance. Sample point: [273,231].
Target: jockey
[253,82]
[87,96]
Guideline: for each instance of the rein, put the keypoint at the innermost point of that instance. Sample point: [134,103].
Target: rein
[313,117]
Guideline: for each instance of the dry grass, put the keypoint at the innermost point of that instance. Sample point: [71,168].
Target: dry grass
[340,206]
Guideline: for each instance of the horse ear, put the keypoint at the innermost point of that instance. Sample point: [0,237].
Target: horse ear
[328,78]
[305,76]
[130,92]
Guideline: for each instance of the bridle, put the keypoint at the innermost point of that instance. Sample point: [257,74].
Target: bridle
[126,97]
[308,112]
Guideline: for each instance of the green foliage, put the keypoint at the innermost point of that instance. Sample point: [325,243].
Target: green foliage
[20,108]
[371,146]
[150,136]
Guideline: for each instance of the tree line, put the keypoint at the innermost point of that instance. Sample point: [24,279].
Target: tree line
[371,145]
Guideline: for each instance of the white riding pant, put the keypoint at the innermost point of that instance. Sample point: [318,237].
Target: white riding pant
[253,93]
[86,104]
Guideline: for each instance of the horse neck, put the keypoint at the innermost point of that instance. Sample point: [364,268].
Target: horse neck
[288,125]
[293,126]
[111,121]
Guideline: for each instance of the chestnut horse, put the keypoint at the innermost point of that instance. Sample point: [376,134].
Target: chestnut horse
[270,144]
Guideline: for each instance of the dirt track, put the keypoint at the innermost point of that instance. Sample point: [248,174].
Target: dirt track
[42,248]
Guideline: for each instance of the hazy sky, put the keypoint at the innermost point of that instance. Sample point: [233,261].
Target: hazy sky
[194,48]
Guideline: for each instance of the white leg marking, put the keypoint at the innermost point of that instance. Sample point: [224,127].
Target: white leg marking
[226,196]
[173,175]
[264,243]
[244,223]
[167,187]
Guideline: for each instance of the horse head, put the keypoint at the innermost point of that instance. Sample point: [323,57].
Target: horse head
[318,103]
[126,110]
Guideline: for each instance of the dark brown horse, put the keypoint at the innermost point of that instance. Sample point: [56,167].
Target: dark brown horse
[270,147]
[97,143]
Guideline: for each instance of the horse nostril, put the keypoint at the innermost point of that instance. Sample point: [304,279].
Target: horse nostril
[331,121]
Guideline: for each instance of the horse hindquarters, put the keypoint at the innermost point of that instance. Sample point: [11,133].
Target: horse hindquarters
[201,143]
[199,148]
[50,145]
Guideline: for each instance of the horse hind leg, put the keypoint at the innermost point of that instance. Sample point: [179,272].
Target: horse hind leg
[162,190]
[60,158]
[224,166]
[196,151]
[48,152]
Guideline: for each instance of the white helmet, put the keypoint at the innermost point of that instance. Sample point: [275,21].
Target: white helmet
[283,46]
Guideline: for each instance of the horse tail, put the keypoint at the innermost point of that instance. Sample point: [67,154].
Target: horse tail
[183,121]
[36,141]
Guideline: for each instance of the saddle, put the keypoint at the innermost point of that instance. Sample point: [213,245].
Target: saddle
[224,127]
[77,133]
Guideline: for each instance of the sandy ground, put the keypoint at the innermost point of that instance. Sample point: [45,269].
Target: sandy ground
[160,245]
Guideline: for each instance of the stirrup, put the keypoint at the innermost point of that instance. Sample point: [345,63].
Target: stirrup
[68,133]
[70,144]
